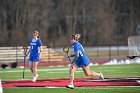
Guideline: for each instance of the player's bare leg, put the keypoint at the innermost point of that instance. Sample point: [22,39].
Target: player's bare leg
[73,68]
[35,64]
[31,66]
[92,74]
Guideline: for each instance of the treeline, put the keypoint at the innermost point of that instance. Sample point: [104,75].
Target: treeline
[100,22]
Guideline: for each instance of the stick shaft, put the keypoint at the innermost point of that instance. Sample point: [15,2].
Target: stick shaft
[68,57]
[24,67]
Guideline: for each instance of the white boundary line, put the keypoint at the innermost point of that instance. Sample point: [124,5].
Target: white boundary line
[62,69]
[88,87]
[51,70]
[1,90]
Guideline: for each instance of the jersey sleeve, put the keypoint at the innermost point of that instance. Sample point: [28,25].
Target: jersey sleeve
[76,48]
[39,42]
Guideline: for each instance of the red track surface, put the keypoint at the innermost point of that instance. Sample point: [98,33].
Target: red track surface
[78,82]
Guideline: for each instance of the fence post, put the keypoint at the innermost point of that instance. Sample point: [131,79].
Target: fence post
[109,52]
[48,54]
[97,51]
[16,54]
[14,65]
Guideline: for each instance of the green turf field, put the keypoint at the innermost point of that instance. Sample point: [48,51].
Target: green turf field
[62,72]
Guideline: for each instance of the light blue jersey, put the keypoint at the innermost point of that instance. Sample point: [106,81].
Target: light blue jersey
[82,60]
[34,50]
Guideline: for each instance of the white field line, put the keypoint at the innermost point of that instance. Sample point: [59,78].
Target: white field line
[62,69]
[58,70]
[100,87]
[50,70]
[95,87]
[1,90]
[118,67]
[111,87]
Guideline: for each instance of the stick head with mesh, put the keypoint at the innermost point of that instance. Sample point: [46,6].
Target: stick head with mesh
[66,49]
[25,49]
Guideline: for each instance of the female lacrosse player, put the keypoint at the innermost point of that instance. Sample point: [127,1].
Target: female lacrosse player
[35,54]
[80,60]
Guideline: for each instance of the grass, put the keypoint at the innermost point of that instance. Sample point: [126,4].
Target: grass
[76,90]
[62,72]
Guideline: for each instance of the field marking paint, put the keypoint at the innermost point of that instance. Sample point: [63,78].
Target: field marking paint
[1,91]
[58,70]
[99,87]
[62,69]
[91,87]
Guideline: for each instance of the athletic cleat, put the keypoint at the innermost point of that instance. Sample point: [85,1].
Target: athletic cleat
[71,86]
[34,79]
[101,76]
[138,81]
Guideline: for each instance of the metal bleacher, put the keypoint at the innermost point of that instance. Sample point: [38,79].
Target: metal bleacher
[16,54]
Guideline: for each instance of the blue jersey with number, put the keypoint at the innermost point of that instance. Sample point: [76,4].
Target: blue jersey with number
[82,60]
[35,50]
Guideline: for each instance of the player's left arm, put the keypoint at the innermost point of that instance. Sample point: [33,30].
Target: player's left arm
[40,47]
[76,55]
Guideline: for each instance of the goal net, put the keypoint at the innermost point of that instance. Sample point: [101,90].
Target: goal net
[134,46]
